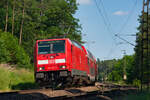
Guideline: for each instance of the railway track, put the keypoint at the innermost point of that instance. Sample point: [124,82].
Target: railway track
[100,91]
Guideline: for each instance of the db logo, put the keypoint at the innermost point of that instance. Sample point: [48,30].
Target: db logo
[51,61]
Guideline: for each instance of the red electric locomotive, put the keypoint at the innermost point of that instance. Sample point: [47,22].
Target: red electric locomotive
[62,60]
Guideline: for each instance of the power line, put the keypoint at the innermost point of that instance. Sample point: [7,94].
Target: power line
[112,50]
[124,40]
[105,14]
[128,18]
[107,24]
[126,22]
[104,20]
[123,26]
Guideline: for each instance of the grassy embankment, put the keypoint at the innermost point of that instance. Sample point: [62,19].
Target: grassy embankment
[12,78]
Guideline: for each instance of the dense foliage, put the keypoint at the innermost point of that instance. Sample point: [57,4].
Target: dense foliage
[114,70]
[12,52]
[104,68]
[29,20]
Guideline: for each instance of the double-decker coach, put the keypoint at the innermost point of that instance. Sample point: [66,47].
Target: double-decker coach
[60,60]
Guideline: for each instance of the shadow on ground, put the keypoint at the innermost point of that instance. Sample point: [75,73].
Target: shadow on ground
[75,91]
[28,96]
[24,86]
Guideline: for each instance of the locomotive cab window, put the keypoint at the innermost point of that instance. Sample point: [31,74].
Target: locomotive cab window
[49,47]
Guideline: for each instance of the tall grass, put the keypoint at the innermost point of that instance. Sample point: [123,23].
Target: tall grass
[16,79]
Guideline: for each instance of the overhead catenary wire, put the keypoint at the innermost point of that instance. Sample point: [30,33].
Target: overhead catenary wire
[126,22]
[123,26]
[105,14]
[124,40]
[107,23]
[129,17]
[104,20]
[113,47]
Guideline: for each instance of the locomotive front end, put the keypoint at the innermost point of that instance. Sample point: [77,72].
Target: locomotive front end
[50,61]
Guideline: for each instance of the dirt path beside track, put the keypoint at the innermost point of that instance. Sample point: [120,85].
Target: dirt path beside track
[98,92]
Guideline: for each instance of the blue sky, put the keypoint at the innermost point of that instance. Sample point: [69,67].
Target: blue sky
[120,18]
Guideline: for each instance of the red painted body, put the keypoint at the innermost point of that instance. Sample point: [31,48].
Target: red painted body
[76,61]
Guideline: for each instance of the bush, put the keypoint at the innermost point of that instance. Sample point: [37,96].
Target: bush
[4,53]
[136,83]
[12,52]
[114,76]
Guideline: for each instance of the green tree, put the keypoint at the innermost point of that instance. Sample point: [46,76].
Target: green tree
[29,20]
[105,68]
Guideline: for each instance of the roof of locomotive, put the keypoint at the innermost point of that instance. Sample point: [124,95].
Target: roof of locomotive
[53,39]
[89,54]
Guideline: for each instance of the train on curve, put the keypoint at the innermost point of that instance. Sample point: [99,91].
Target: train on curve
[63,61]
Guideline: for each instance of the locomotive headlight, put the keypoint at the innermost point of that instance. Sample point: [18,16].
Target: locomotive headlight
[42,68]
[62,67]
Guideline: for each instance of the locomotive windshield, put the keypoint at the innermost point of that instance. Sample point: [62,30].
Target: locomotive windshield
[49,47]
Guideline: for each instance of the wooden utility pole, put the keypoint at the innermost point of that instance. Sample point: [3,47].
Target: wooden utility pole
[124,66]
[144,48]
